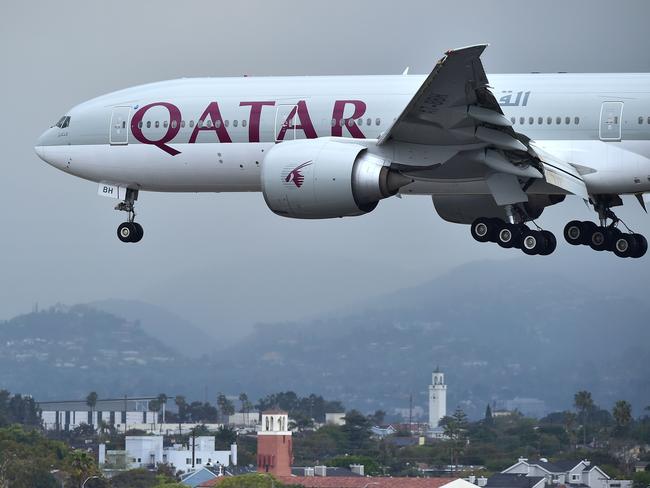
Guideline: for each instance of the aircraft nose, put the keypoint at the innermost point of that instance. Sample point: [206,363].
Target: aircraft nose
[42,144]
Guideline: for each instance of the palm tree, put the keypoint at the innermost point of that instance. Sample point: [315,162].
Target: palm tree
[182,405]
[622,413]
[162,400]
[91,401]
[569,421]
[583,403]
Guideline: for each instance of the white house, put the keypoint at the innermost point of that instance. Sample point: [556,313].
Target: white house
[244,419]
[569,473]
[147,451]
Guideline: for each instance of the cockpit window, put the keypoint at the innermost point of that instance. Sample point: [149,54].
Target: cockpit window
[63,122]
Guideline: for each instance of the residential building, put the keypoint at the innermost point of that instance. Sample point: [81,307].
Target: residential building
[121,413]
[572,474]
[335,418]
[243,419]
[515,480]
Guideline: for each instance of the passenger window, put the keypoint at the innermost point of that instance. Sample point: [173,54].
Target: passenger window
[368,121]
[531,120]
[157,124]
[226,123]
[640,120]
[540,120]
[522,120]
[377,121]
[576,120]
[558,120]
[183,124]
[350,122]
[513,120]
[148,124]
[140,125]
[199,124]
[208,123]
[359,121]
[243,123]
[333,122]
[191,123]
[217,123]
[124,124]
[165,124]
[174,124]
[549,120]
[235,122]
[648,120]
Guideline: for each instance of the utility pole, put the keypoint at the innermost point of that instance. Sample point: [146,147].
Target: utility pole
[411,414]
[193,444]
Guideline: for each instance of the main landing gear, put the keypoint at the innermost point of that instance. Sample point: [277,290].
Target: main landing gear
[509,235]
[129,231]
[606,237]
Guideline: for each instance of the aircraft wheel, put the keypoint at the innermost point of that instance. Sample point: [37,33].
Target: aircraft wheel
[139,232]
[551,243]
[126,231]
[509,236]
[625,246]
[482,229]
[598,239]
[574,232]
[532,242]
[641,245]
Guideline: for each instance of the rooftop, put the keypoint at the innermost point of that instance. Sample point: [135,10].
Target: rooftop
[356,482]
[512,480]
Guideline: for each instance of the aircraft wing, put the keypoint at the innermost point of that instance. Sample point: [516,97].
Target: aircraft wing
[454,108]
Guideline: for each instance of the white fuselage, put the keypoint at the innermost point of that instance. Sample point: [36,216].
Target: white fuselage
[211,135]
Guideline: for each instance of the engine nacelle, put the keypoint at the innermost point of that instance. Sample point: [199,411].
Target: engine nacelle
[464,209]
[323,178]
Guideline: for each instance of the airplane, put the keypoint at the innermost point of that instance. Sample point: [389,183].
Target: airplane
[491,154]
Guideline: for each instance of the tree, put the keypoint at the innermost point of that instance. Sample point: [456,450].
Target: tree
[378,417]
[81,465]
[246,407]
[91,401]
[226,407]
[181,404]
[622,413]
[584,404]
[569,423]
[357,428]
[162,401]
[455,428]
[257,480]
[489,420]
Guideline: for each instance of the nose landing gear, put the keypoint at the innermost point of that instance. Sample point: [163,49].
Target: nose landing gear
[129,231]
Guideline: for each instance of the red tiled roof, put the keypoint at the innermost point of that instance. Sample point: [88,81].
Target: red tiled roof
[353,482]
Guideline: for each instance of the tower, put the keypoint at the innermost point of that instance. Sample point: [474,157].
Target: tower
[274,444]
[437,398]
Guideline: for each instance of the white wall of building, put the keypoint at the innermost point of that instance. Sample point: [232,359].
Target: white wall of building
[437,399]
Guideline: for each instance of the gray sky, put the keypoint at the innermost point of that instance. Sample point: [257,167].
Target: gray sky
[225,260]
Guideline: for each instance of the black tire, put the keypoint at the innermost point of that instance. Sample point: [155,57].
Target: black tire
[551,243]
[599,239]
[139,232]
[612,235]
[641,245]
[482,229]
[588,228]
[532,242]
[126,231]
[574,232]
[509,236]
[625,246]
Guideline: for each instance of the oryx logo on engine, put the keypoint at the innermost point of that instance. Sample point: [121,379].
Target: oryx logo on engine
[295,176]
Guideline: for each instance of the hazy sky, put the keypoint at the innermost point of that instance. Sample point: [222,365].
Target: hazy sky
[224,260]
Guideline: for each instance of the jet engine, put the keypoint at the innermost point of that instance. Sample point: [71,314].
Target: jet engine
[323,178]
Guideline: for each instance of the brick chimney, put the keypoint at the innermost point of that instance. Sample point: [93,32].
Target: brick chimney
[274,444]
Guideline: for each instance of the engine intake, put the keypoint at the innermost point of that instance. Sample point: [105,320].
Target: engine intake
[323,178]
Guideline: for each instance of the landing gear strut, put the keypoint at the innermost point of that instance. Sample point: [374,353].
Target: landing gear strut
[511,235]
[606,237]
[129,231]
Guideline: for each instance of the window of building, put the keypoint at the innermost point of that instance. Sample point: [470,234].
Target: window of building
[139,460]
[198,460]
[188,461]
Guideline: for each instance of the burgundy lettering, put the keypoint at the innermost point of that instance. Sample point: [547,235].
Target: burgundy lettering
[254,118]
[217,125]
[350,122]
[305,122]
[174,116]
